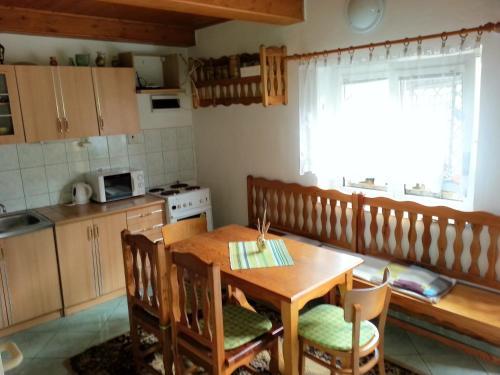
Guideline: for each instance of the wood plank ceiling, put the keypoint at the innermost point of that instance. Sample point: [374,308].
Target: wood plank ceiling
[163,22]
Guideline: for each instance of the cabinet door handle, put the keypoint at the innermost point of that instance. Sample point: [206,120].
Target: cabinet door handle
[2,256]
[59,126]
[89,233]
[101,122]
[66,124]
[96,231]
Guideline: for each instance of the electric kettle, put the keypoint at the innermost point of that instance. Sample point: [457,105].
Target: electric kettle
[81,193]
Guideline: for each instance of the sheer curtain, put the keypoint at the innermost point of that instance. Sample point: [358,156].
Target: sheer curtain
[402,117]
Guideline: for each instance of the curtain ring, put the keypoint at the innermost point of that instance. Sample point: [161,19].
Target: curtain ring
[325,57]
[478,37]
[387,46]
[351,54]
[339,56]
[419,45]
[463,36]
[371,48]
[406,44]
[444,38]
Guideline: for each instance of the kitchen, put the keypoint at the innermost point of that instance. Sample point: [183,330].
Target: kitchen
[122,118]
[156,143]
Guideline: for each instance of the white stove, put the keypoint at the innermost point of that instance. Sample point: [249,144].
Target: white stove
[184,201]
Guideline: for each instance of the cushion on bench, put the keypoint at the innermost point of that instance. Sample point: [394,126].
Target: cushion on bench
[412,280]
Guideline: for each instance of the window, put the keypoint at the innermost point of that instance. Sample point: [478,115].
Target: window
[405,128]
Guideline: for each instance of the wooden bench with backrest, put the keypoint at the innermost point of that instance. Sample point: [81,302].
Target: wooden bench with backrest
[462,245]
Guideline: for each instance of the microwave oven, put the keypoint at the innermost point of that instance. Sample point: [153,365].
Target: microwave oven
[114,184]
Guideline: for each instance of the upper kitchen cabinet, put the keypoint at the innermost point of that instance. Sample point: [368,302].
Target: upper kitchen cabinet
[116,100]
[78,103]
[11,123]
[56,102]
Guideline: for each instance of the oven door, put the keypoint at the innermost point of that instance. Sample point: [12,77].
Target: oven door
[118,186]
[192,214]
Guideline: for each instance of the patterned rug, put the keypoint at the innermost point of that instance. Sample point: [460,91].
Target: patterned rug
[114,357]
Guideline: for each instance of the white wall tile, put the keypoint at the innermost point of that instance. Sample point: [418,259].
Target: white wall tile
[138,162]
[98,148]
[8,158]
[184,137]
[76,152]
[40,174]
[34,181]
[157,180]
[78,169]
[136,149]
[30,155]
[54,153]
[186,159]
[154,161]
[36,201]
[152,140]
[187,175]
[172,177]
[117,145]
[169,139]
[11,186]
[119,162]
[96,164]
[171,159]
[60,197]
[58,177]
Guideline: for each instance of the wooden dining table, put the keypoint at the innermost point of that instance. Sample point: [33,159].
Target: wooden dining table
[316,271]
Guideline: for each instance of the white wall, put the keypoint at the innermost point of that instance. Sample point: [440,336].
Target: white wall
[232,142]
[34,175]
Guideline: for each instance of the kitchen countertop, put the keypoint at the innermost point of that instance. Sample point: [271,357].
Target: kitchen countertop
[64,214]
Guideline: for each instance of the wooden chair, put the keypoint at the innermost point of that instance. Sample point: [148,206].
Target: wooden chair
[347,334]
[147,284]
[220,338]
[183,230]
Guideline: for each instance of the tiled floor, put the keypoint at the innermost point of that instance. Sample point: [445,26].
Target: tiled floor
[47,347]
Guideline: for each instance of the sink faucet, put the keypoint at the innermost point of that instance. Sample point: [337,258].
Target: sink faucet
[3,209]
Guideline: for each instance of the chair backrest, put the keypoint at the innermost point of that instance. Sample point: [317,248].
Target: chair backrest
[200,283]
[373,301]
[183,229]
[146,275]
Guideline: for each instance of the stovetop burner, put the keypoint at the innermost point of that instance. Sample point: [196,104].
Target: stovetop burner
[179,185]
[169,192]
[189,188]
[156,190]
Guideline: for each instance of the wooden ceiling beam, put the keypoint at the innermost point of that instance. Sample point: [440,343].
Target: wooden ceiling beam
[35,22]
[281,12]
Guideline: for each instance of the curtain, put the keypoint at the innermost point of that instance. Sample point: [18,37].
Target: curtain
[401,117]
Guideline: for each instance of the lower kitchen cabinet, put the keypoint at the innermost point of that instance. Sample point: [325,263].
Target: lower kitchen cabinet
[29,276]
[109,244]
[75,246]
[90,258]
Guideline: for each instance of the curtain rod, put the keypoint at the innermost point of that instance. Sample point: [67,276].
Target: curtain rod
[388,43]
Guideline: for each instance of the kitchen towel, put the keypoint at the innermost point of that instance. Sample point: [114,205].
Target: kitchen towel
[246,255]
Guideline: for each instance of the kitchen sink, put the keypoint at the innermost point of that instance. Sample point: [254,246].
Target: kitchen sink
[17,223]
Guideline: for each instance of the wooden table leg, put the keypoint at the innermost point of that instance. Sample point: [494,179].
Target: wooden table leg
[346,286]
[290,319]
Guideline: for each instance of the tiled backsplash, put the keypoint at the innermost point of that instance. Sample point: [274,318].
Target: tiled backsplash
[40,174]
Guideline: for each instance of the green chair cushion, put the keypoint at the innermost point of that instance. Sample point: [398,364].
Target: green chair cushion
[325,325]
[242,326]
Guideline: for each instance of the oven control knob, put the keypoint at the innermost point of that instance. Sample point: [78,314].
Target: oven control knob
[190,204]
[174,207]
[184,205]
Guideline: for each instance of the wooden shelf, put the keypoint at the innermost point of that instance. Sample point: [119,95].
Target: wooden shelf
[269,88]
[160,91]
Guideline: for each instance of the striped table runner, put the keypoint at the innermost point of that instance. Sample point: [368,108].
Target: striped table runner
[246,255]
